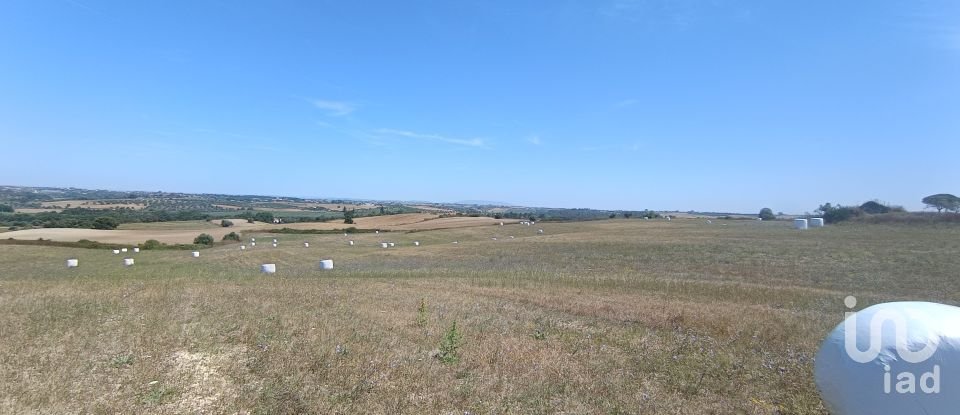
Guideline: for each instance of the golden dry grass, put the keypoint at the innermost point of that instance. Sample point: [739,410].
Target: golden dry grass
[624,316]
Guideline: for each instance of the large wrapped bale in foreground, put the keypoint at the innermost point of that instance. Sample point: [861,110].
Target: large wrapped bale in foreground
[894,358]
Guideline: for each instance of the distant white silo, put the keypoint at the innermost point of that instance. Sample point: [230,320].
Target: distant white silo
[127,262]
[73,263]
[326,264]
[268,268]
[306,244]
[800,223]
[383,244]
[195,254]
[816,222]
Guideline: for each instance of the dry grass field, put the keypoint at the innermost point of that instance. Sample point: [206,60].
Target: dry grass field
[622,316]
[183,232]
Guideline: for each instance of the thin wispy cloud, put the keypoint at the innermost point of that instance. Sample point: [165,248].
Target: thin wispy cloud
[473,142]
[626,103]
[334,108]
[535,140]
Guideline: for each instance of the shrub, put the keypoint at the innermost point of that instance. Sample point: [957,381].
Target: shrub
[232,236]
[152,244]
[422,313]
[226,223]
[450,344]
[873,207]
[834,214]
[6,208]
[203,239]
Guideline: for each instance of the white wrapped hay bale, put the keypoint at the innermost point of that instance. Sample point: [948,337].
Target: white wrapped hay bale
[268,268]
[274,244]
[540,231]
[326,264]
[383,244]
[800,224]
[252,244]
[501,223]
[123,249]
[195,254]
[73,263]
[494,239]
[136,250]
[306,244]
[377,232]
[416,243]
[344,234]
[253,239]
[351,243]
[511,236]
[892,358]
[816,222]
[128,262]
[243,247]
[116,251]
[392,244]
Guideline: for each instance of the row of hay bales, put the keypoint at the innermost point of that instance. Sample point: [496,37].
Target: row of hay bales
[325,264]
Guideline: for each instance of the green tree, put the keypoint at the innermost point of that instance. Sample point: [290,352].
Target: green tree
[226,223]
[766,214]
[104,222]
[347,216]
[6,208]
[203,239]
[942,201]
[232,236]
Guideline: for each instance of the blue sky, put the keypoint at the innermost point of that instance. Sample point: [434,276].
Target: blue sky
[615,104]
